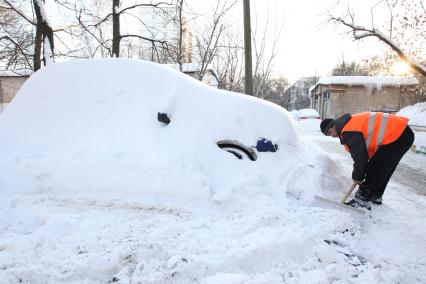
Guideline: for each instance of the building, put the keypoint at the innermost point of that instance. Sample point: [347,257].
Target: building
[10,83]
[297,95]
[192,69]
[336,95]
[163,24]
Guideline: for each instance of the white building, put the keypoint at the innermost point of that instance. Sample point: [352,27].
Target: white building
[192,69]
[162,24]
[10,83]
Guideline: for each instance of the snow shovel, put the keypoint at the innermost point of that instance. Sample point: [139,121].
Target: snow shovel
[348,193]
[320,201]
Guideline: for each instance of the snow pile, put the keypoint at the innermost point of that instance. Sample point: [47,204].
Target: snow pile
[304,126]
[417,115]
[419,144]
[294,114]
[89,129]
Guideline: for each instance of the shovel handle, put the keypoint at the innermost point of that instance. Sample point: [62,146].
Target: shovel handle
[348,193]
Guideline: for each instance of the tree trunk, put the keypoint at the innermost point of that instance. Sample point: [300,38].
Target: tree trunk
[37,48]
[247,49]
[43,31]
[116,37]
[179,55]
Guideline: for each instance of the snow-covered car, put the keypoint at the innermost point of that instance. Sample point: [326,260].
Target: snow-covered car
[90,126]
[308,113]
[294,114]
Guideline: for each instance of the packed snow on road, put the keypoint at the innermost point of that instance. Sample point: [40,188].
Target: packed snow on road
[97,189]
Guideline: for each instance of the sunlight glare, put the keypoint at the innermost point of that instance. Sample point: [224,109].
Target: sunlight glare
[400,68]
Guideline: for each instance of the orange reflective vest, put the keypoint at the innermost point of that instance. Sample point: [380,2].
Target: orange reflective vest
[378,128]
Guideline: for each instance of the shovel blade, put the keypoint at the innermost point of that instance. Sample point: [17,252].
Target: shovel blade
[322,202]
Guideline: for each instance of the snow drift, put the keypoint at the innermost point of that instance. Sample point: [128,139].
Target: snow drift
[417,115]
[88,127]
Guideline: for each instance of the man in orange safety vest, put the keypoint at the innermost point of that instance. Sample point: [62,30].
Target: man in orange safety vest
[376,141]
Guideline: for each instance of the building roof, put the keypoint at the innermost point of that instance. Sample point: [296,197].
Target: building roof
[186,67]
[12,73]
[300,83]
[192,68]
[368,80]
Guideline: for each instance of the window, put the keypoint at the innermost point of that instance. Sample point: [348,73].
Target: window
[326,95]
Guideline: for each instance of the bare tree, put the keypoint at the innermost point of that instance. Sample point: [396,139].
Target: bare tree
[21,36]
[178,42]
[95,26]
[181,31]
[16,39]
[208,39]
[229,63]
[265,38]
[401,14]
[43,36]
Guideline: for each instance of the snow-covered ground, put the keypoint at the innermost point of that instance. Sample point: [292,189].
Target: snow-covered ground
[95,190]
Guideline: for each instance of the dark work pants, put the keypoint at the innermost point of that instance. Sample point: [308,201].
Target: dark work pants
[384,162]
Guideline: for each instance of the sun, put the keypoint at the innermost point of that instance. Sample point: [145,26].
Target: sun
[400,68]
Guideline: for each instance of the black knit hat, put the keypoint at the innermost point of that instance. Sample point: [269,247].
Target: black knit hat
[326,124]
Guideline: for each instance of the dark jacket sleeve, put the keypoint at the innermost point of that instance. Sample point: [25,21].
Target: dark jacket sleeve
[356,144]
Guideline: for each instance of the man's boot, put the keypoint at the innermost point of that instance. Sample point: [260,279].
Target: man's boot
[359,203]
[376,200]
[362,197]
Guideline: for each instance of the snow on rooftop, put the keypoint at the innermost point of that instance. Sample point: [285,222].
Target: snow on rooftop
[193,68]
[368,80]
[186,67]
[14,73]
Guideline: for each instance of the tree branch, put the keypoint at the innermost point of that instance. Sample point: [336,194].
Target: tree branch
[360,32]
[16,10]
[17,46]
[144,38]
[143,5]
